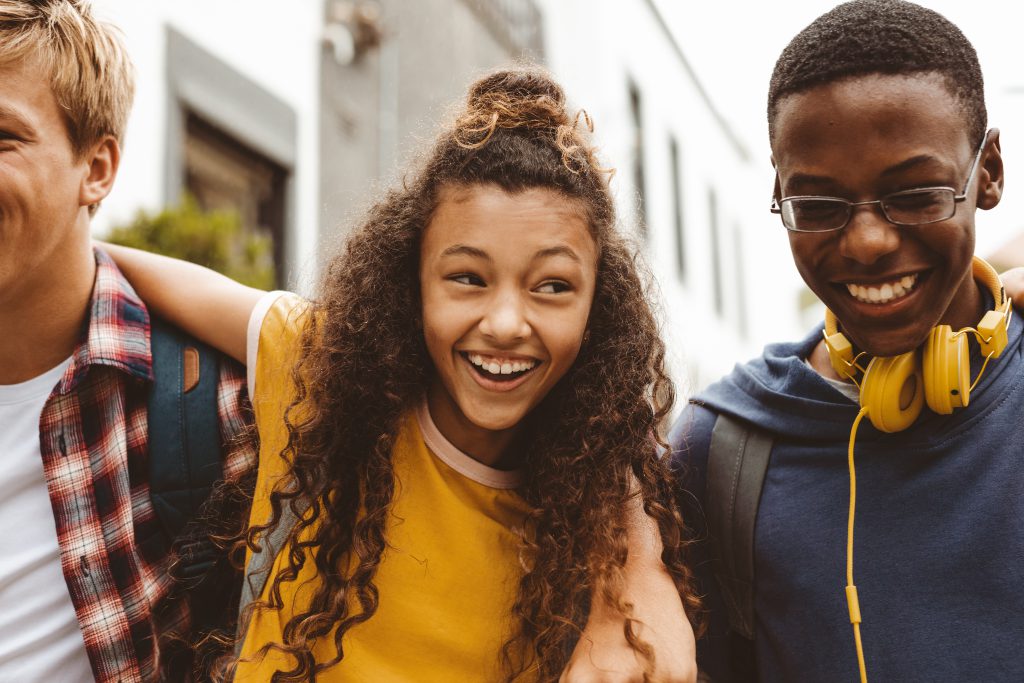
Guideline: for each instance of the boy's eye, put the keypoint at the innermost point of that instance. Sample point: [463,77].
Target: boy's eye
[467,279]
[554,287]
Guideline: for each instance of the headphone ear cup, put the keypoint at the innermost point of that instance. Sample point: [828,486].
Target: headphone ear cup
[892,390]
[947,370]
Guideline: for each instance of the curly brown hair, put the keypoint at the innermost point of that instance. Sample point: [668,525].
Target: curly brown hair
[590,448]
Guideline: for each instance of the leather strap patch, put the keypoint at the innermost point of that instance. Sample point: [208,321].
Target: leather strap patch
[190,369]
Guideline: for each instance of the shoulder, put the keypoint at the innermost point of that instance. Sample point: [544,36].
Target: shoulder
[690,437]
[272,341]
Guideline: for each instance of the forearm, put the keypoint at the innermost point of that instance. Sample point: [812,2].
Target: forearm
[207,305]
[655,600]
[659,620]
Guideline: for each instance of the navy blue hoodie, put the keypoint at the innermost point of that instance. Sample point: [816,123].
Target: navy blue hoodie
[939,536]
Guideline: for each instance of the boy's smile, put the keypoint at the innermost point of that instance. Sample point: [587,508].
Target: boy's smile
[861,139]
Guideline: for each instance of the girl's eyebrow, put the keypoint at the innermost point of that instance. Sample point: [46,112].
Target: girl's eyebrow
[465,250]
[557,251]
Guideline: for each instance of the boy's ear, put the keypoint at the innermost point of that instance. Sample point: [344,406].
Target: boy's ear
[101,162]
[990,182]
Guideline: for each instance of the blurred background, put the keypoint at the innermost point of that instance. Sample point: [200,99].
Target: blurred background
[263,129]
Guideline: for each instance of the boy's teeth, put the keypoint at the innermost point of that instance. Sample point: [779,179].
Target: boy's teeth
[885,293]
[495,367]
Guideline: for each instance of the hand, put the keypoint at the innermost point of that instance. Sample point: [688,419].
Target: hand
[1013,282]
[602,654]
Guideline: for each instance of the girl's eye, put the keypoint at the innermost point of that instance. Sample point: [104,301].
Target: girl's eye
[554,287]
[467,279]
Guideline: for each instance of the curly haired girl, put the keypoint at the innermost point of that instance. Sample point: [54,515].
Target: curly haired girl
[459,434]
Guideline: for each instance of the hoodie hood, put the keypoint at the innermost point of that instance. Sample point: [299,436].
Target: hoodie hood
[780,393]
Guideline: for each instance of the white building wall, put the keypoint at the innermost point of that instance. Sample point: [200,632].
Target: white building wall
[275,45]
[596,47]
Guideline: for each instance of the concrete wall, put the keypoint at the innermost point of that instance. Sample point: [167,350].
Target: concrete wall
[378,112]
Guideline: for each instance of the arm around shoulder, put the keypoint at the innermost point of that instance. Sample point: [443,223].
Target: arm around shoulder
[1013,282]
[207,305]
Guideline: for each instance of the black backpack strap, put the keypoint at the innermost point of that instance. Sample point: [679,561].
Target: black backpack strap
[737,461]
[184,430]
[185,459]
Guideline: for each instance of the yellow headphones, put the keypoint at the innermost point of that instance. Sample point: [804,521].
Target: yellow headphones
[894,389]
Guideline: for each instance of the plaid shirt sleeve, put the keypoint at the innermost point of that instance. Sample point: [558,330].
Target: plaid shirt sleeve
[240,450]
[95,449]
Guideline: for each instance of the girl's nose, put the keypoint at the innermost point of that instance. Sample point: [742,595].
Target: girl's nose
[506,319]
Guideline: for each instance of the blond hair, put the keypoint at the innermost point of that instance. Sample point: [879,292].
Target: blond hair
[89,70]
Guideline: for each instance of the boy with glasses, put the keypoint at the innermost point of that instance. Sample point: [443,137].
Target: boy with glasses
[858,493]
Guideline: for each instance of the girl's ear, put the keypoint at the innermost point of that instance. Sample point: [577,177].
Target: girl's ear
[990,183]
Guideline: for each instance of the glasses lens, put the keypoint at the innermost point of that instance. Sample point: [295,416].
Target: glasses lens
[920,206]
[814,214]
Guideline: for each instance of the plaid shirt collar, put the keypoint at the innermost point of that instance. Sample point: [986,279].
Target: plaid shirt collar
[118,329]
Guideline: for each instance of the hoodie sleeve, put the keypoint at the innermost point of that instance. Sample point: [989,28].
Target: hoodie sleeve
[719,651]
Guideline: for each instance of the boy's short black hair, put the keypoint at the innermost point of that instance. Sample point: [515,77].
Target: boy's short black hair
[881,36]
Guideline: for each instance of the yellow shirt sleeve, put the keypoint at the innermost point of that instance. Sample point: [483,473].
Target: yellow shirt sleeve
[275,337]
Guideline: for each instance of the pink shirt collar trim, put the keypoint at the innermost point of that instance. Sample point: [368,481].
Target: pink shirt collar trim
[462,463]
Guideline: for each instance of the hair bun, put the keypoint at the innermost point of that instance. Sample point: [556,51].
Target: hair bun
[515,85]
[524,99]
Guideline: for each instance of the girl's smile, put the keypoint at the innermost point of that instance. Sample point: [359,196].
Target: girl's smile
[500,373]
[507,281]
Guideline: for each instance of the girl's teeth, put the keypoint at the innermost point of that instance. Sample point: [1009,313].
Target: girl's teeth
[496,368]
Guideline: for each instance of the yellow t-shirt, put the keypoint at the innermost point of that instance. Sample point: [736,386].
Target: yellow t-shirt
[449,576]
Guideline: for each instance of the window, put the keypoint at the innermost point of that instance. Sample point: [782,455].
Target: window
[636,111]
[716,252]
[516,24]
[224,174]
[230,143]
[741,283]
[677,206]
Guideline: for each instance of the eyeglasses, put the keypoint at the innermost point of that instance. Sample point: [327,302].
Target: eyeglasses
[910,207]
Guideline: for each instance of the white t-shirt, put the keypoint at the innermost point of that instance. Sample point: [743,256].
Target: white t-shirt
[39,635]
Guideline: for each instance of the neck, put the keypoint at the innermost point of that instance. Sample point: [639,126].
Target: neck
[486,446]
[45,309]
[967,306]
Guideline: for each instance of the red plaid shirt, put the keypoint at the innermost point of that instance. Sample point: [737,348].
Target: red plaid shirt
[93,438]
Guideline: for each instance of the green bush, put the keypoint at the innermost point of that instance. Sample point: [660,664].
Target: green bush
[215,239]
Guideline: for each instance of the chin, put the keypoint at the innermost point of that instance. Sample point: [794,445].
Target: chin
[497,421]
[894,343]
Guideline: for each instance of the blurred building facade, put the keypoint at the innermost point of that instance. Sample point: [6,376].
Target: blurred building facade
[684,185]
[298,118]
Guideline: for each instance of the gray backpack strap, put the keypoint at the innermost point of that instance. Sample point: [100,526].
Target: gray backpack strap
[258,570]
[737,462]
